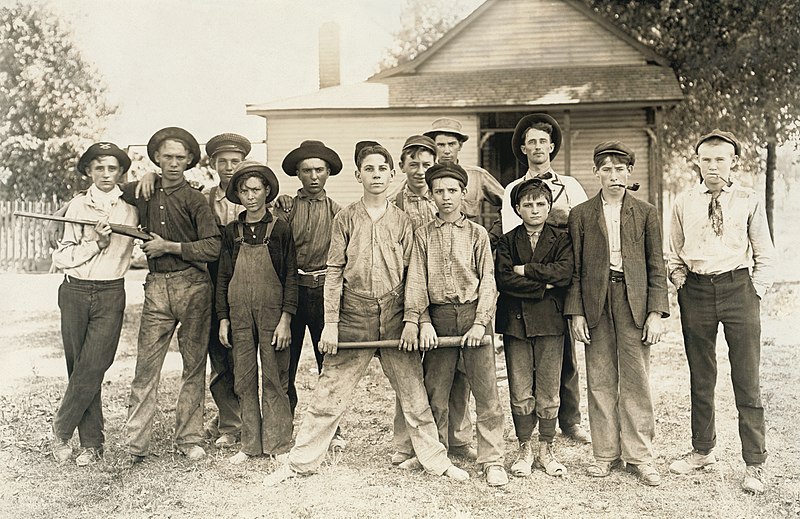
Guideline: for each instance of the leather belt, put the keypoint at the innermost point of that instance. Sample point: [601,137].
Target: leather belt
[311,280]
[616,276]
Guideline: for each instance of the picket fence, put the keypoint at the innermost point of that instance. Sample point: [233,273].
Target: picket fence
[23,241]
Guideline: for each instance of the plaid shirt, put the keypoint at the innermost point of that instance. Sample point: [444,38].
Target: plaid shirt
[450,263]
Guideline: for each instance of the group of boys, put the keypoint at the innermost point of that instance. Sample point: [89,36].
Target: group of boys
[244,281]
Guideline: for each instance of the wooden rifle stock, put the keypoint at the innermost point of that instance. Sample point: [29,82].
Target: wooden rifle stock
[443,342]
[117,228]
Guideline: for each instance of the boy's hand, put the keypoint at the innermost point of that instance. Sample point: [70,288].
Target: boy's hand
[146,186]
[653,328]
[473,338]
[284,203]
[282,336]
[409,339]
[103,231]
[678,278]
[580,329]
[519,269]
[224,332]
[158,247]
[329,340]
[428,339]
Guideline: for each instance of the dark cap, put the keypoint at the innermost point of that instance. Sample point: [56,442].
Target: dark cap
[447,125]
[518,139]
[716,133]
[444,170]
[376,147]
[517,191]
[614,148]
[173,132]
[266,174]
[228,142]
[420,140]
[311,149]
[99,149]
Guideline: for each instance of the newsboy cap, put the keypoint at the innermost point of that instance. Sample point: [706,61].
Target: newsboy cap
[173,132]
[518,139]
[311,150]
[266,174]
[420,140]
[227,142]
[99,149]
[614,148]
[447,125]
[716,133]
[445,170]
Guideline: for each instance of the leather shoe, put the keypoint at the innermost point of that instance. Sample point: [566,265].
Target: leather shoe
[754,479]
[646,473]
[601,469]
[577,433]
[694,461]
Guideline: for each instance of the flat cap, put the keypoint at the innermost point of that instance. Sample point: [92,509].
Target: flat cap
[99,149]
[174,132]
[447,125]
[264,171]
[422,141]
[445,170]
[615,148]
[227,142]
[375,147]
[518,139]
[311,150]
[716,133]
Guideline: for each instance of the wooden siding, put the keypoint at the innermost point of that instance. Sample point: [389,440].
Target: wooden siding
[342,132]
[531,34]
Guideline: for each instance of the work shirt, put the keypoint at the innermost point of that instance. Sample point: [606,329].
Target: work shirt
[567,193]
[420,209]
[744,243]
[366,257]
[224,210]
[281,252]
[78,253]
[451,263]
[611,214]
[180,214]
[311,221]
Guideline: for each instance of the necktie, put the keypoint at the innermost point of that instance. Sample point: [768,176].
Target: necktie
[715,213]
[544,176]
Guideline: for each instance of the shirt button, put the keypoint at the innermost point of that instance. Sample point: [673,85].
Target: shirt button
[161,207]
[162,223]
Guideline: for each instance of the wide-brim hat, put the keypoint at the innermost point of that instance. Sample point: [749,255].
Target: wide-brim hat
[447,125]
[264,171]
[615,148]
[311,150]
[173,132]
[228,142]
[99,149]
[716,133]
[522,126]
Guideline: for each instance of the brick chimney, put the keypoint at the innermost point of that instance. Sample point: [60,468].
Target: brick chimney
[329,55]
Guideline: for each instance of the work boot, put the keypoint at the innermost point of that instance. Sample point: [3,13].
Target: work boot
[754,479]
[338,442]
[694,461]
[88,456]
[239,458]
[577,433]
[465,451]
[411,464]
[192,452]
[456,473]
[61,449]
[496,476]
[601,469]
[399,457]
[546,460]
[646,473]
[522,467]
[225,440]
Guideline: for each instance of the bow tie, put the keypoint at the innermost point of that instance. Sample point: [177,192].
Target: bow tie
[544,176]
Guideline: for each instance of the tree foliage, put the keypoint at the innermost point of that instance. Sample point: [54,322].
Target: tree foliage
[422,23]
[52,105]
[738,62]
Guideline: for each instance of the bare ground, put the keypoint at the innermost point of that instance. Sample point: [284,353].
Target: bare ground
[361,481]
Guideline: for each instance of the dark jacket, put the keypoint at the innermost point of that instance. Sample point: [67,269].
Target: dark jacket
[525,308]
[642,260]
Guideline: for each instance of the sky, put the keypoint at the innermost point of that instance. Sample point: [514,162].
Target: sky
[197,63]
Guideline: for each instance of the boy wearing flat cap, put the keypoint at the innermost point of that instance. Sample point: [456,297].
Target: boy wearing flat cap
[311,220]
[370,248]
[225,151]
[535,143]
[177,290]
[451,292]
[91,298]
[533,270]
[721,262]
[617,300]
[256,299]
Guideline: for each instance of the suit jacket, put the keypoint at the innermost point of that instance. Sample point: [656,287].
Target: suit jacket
[525,308]
[642,260]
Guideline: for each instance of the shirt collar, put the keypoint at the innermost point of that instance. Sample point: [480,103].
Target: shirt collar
[170,190]
[220,194]
[461,222]
[413,196]
[530,174]
[704,189]
[266,218]
[301,193]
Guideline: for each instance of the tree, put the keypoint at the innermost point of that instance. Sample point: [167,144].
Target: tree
[422,23]
[52,104]
[738,62]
